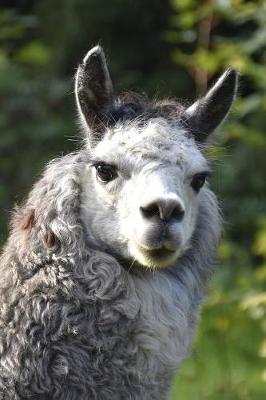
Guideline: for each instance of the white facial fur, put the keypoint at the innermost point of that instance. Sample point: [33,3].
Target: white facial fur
[153,161]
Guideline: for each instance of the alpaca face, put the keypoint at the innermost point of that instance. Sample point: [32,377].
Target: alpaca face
[147,182]
[144,182]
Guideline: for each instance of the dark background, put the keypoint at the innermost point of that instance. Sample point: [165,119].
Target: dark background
[164,48]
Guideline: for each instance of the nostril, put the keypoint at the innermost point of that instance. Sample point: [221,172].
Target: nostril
[150,211]
[178,214]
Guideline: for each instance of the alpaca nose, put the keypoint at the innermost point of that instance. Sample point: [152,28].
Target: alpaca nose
[164,209]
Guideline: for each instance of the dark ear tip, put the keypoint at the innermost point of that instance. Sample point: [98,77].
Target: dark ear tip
[231,76]
[96,51]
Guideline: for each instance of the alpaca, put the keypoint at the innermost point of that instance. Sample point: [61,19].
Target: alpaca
[105,270]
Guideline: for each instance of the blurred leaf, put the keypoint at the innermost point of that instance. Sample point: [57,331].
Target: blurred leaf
[34,53]
[253,301]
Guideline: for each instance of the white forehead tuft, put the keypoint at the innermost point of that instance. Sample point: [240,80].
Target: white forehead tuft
[157,139]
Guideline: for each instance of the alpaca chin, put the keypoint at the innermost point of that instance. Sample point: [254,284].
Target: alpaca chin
[153,259]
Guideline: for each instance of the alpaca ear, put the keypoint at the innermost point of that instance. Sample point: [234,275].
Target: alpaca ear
[206,114]
[94,90]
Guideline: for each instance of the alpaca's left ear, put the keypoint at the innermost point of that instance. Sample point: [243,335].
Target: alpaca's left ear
[206,114]
[93,90]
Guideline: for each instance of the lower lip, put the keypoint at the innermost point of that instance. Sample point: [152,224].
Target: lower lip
[159,253]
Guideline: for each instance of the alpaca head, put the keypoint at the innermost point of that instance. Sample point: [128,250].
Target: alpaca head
[146,174]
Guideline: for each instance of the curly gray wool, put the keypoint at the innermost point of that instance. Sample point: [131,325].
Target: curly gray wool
[74,323]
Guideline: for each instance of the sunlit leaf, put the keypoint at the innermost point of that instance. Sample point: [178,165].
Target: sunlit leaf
[34,53]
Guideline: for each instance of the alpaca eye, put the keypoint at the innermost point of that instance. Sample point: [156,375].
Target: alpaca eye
[105,173]
[198,181]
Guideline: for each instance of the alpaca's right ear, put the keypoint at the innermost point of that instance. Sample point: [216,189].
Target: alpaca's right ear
[206,114]
[94,90]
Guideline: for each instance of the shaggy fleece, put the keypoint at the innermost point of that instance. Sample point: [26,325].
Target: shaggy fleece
[74,323]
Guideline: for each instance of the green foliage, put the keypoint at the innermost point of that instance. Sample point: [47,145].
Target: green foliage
[172,47]
[34,107]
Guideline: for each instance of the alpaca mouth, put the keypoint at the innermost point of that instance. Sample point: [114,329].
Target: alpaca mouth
[154,257]
[160,253]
